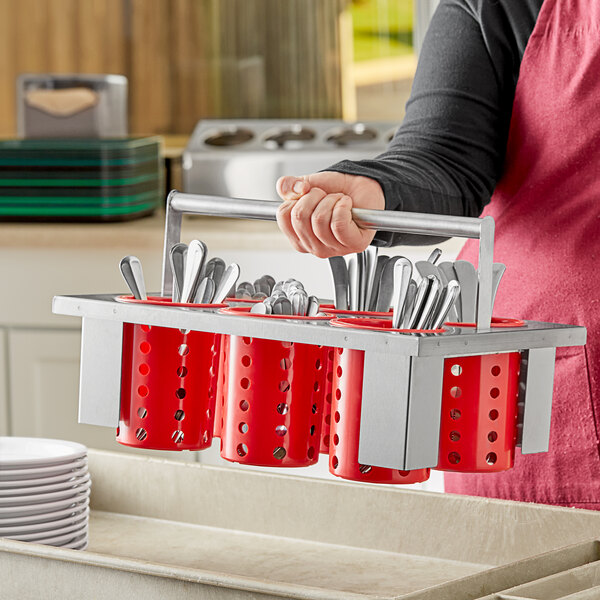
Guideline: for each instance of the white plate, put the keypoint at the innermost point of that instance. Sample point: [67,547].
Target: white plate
[67,538]
[37,528]
[77,527]
[18,474]
[30,499]
[9,512]
[44,517]
[43,489]
[24,452]
[63,479]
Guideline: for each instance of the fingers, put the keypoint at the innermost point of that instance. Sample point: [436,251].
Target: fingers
[284,220]
[321,224]
[347,233]
[292,188]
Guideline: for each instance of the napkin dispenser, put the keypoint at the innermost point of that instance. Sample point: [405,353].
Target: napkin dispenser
[71,106]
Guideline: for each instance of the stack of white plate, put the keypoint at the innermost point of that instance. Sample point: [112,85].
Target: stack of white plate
[44,491]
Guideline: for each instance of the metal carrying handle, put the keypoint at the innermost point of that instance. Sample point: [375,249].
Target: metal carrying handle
[381,220]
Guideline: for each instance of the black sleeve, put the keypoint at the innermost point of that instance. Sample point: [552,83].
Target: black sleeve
[448,153]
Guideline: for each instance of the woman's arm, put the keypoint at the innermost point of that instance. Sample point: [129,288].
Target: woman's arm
[448,154]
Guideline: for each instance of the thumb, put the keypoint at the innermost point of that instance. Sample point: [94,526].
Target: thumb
[292,188]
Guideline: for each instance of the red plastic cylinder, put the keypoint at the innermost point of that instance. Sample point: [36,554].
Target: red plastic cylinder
[220,392]
[168,386]
[273,402]
[345,426]
[326,424]
[479,413]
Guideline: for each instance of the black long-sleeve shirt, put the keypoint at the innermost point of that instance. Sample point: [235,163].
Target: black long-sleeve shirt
[448,153]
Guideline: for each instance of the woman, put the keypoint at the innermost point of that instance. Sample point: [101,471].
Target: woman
[503,118]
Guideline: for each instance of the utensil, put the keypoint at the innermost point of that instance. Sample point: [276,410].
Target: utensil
[229,279]
[339,272]
[215,268]
[353,286]
[131,269]
[434,256]
[420,298]
[402,278]
[467,278]
[177,256]
[381,262]
[282,306]
[246,285]
[270,281]
[448,274]
[205,292]
[409,304]
[386,285]
[371,259]
[449,298]
[261,308]
[362,280]
[194,264]
[313,306]
[431,302]
[261,285]
[497,272]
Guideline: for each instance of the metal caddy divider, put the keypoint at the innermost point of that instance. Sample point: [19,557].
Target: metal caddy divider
[403,373]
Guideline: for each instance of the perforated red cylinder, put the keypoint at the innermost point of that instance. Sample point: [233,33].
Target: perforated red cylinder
[273,394]
[345,426]
[168,387]
[478,430]
[219,396]
[326,424]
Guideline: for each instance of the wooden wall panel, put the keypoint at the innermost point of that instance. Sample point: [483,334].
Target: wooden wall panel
[185,59]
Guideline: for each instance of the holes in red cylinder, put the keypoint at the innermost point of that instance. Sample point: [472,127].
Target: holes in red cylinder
[326,441]
[494,392]
[491,458]
[338,394]
[279,453]
[208,413]
[287,344]
[281,430]
[339,371]
[330,355]
[328,397]
[314,409]
[311,453]
[246,360]
[245,383]
[243,427]
[177,436]
[364,468]
[455,414]
[454,458]
[244,406]
[285,363]
[316,386]
[337,417]
[142,412]
[283,408]
[312,430]
[145,347]
[284,386]
[143,391]
[242,449]
[456,370]
[141,434]
[496,370]
[492,436]
[318,365]
[454,436]
[180,393]
[247,341]
[182,371]
[404,473]
[144,369]
[183,350]
[455,392]
[328,419]
[179,415]
[146,328]
[336,439]
[340,351]
[494,414]
[335,462]
[330,376]
[205,437]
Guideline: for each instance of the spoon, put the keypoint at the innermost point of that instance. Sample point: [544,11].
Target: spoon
[228,281]
[434,256]
[339,272]
[205,292]
[194,264]
[450,296]
[386,285]
[402,279]
[409,304]
[430,303]
[131,269]
[381,262]
[177,256]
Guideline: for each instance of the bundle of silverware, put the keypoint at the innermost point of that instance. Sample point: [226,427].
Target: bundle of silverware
[368,282]
[195,280]
[288,298]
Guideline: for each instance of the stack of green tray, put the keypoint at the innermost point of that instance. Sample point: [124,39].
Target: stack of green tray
[80,179]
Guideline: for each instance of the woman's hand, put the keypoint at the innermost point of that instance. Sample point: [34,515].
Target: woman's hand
[316,212]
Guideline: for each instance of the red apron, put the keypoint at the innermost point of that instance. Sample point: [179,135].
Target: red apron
[548,235]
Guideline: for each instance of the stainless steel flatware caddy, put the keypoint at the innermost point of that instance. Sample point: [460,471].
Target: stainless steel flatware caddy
[428,399]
